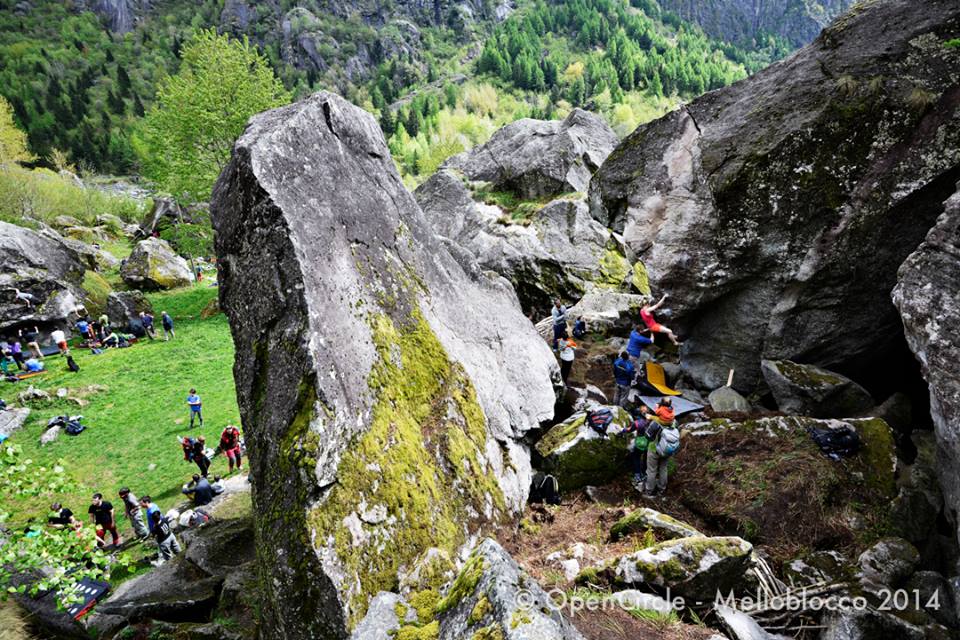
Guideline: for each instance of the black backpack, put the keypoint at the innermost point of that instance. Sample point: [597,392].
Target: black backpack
[544,488]
[72,364]
[841,442]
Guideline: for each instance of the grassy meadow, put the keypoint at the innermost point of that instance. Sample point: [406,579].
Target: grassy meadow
[133,424]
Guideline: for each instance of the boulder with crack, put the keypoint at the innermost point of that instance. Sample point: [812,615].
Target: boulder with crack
[11,419]
[540,158]
[124,307]
[384,389]
[776,211]
[697,567]
[579,456]
[808,390]
[928,296]
[557,252]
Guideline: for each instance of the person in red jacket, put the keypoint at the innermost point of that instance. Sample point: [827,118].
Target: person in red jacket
[230,446]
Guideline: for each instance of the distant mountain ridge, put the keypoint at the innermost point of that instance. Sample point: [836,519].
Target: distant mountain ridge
[743,21]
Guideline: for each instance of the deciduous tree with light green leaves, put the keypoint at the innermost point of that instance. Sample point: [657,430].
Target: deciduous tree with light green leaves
[187,135]
[13,141]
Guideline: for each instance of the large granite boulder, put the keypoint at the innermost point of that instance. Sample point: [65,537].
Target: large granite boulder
[153,264]
[384,388]
[578,455]
[695,567]
[887,564]
[776,211]
[540,158]
[928,296]
[44,266]
[11,420]
[808,390]
[124,307]
[557,254]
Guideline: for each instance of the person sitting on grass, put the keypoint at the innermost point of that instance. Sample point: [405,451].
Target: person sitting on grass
[230,446]
[196,407]
[32,365]
[199,489]
[194,450]
[101,514]
[63,518]
[167,543]
[646,314]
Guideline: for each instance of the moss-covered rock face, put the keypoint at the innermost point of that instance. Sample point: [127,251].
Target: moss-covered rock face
[695,567]
[660,523]
[578,456]
[767,481]
[808,390]
[154,265]
[385,386]
[418,477]
[777,211]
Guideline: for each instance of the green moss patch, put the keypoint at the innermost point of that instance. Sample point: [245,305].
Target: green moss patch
[613,268]
[641,280]
[420,462]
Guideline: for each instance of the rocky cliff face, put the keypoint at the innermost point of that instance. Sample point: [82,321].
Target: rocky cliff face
[119,15]
[928,297]
[777,211]
[383,385]
[799,21]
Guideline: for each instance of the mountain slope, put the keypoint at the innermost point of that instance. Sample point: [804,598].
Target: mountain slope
[745,21]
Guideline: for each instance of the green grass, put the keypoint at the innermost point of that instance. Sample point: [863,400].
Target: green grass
[133,424]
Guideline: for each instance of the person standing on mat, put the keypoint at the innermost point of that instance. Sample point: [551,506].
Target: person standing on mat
[646,314]
[30,338]
[167,323]
[196,407]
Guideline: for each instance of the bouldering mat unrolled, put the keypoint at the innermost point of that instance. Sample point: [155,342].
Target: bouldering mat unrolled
[91,591]
[680,405]
[656,380]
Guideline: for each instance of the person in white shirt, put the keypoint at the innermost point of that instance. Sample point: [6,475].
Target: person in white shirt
[60,339]
[567,354]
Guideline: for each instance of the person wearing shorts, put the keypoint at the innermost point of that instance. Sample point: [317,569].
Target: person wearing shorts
[646,314]
[230,445]
[60,339]
[30,339]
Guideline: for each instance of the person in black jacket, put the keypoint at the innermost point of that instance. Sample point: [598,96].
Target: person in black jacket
[167,543]
[200,489]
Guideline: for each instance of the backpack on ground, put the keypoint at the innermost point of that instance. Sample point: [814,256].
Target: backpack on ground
[544,488]
[841,442]
[74,428]
[599,420]
[669,441]
[72,364]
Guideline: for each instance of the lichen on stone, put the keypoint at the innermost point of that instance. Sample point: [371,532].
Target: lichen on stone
[420,464]
[613,268]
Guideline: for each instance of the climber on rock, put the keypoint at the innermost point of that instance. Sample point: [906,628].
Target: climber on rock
[646,314]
